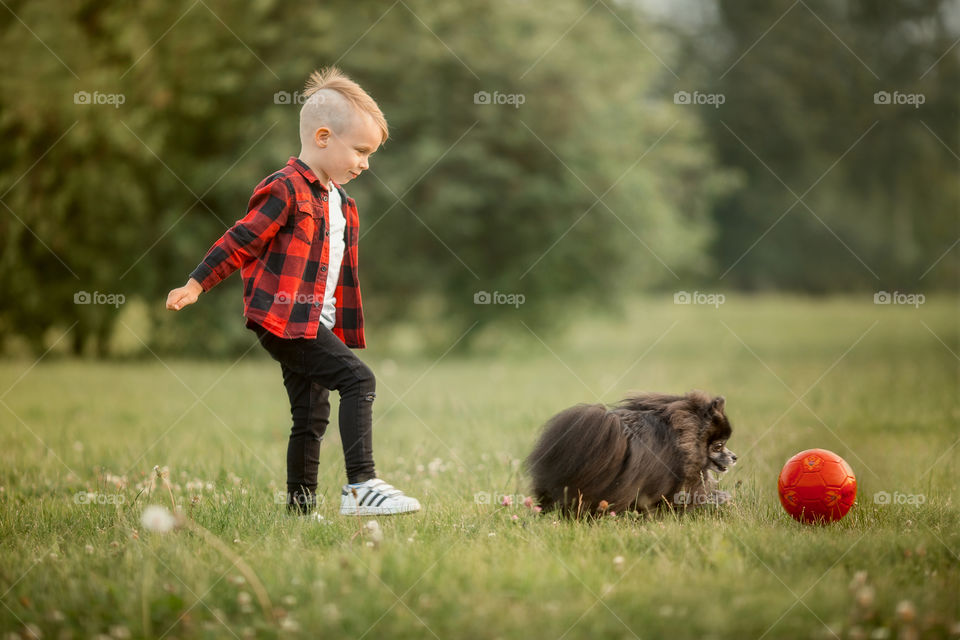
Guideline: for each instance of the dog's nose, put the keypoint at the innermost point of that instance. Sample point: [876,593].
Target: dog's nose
[733,457]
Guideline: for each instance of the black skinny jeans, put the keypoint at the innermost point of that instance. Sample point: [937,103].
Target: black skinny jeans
[310,369]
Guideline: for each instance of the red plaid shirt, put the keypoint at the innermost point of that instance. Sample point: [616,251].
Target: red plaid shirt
[282,250]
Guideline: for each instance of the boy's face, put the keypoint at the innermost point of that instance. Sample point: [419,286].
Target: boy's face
[342,157]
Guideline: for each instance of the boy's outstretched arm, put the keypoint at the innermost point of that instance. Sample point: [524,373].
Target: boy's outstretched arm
[245,240]
[182,296]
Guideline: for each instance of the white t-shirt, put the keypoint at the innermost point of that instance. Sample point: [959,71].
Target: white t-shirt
[338,225]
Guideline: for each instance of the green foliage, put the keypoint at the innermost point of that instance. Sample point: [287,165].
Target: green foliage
[594,187]
[122,199]
[494,198]
[799,81]
[512,206]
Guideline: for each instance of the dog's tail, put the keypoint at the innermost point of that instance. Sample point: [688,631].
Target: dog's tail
[580,450]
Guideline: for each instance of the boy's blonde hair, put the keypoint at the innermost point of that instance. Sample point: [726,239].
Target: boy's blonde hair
[332,100]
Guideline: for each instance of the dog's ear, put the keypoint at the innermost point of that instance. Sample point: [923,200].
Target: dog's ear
[717,405]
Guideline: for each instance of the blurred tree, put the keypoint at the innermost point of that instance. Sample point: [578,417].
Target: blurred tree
[592,188]
[137,133]
[506,197]
[878,181]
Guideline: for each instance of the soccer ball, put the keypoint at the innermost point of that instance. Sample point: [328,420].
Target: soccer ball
[817,485]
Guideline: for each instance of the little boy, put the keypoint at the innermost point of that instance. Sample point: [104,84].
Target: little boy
[297,253]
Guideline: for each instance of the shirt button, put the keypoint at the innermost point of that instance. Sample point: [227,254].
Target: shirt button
[323,268]
[324,198]
[316,304]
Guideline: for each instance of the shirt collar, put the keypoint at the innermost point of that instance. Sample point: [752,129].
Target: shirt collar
[306,172]
[312,178]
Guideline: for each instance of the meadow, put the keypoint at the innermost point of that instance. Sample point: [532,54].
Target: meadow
[877,384]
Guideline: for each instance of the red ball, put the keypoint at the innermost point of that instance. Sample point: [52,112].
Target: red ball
[817,485]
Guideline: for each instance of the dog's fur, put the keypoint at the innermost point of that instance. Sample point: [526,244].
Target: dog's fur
[648,449]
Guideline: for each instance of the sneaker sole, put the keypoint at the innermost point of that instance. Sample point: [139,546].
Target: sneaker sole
[377,511]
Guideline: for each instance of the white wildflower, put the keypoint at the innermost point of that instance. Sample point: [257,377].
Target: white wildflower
[374,531]
[157,519]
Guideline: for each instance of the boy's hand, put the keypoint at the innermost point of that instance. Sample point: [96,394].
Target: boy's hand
[182,296]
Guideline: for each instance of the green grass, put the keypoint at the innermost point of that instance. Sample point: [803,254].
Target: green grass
[877,384]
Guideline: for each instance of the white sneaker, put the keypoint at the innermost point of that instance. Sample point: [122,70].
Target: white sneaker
[375,498]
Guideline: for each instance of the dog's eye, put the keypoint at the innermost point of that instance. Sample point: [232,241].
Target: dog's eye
[718,446]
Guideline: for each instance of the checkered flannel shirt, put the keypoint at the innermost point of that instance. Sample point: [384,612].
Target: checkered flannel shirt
[282,250]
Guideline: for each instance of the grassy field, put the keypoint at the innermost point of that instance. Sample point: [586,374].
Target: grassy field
[876,384]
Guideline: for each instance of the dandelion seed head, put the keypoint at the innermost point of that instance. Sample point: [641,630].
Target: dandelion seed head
[157,519]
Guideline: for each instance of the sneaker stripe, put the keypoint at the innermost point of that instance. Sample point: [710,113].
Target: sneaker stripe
[375,497]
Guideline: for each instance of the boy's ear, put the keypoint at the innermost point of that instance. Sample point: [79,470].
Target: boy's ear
[321,137]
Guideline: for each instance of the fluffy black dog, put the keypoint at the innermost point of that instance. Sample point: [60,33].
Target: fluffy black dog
[650,449]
